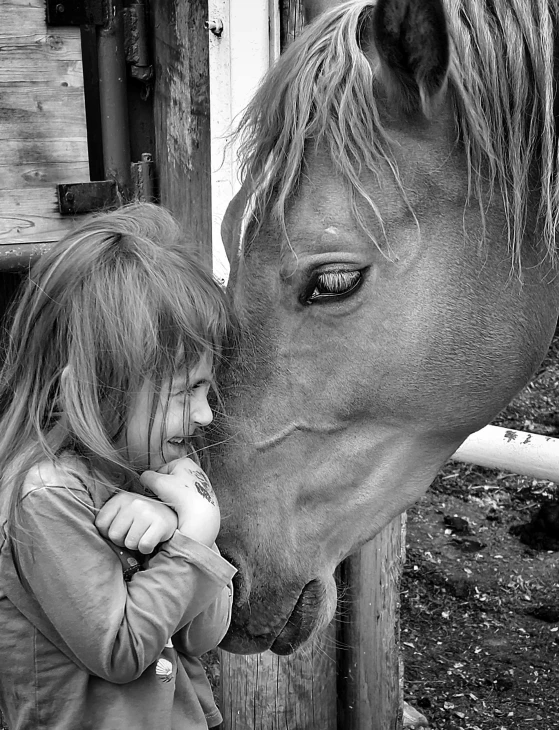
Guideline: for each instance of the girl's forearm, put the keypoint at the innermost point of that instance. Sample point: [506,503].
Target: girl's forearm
[116,629]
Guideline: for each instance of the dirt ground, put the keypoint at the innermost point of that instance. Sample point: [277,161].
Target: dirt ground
[480,607]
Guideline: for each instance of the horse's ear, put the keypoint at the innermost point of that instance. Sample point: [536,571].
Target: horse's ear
[412,41]
[231,225]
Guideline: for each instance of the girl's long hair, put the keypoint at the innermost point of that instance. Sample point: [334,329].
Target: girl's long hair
[117,301]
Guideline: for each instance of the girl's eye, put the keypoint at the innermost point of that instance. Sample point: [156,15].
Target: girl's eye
[330,285]
[181,392]
[204,384]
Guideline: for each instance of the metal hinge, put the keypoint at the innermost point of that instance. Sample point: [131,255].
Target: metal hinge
[80,198]
[136,46]
[74,12]
[88,197]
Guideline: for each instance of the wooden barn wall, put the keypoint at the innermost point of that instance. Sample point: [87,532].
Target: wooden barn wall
[182,115]
[42,121]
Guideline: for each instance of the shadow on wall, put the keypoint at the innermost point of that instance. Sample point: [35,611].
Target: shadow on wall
[9,282]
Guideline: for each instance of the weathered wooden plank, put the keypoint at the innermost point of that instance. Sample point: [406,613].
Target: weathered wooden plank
[368,659]
[182,115]
[43,136]
[60,43]
[34,72]
[30,215]
[42,113]
[36,175]
[26,4]
[31,55]
[20,21]
[268,692]
[44,151]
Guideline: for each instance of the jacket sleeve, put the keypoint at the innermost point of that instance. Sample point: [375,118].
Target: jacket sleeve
[115,628]
[207,629]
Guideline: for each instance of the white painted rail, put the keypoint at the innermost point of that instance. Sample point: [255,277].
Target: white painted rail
[516,451]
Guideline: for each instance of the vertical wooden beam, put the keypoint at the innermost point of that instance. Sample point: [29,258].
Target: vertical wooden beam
[292,20]
[312,8]
[182,115]
[295,14]
[368,654]
[269,692]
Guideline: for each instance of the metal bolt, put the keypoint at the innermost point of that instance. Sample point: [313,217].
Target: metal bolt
[215,26]
[60,8]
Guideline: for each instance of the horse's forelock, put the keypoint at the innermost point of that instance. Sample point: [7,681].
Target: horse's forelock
[501,82]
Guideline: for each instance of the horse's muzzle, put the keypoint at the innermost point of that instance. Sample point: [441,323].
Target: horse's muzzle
[246,634]
[304,620]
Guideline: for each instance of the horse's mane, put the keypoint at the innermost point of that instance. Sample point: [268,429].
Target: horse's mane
[501,81]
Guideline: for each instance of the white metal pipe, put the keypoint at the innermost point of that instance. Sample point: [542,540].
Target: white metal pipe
[516,451]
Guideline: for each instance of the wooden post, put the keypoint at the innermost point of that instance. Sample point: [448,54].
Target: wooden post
[368,655]
[355,687]
[182,115]
[269,692]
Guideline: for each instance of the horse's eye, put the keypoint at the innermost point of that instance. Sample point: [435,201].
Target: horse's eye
[333,284]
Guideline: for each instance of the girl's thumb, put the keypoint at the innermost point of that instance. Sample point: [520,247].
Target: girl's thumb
[159,485]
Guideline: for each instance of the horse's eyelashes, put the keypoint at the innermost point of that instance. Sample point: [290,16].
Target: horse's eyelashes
[333,284]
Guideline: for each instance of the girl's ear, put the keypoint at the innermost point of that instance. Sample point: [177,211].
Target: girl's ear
[412,41]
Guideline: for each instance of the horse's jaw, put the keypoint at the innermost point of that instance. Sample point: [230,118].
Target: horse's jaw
[285,591]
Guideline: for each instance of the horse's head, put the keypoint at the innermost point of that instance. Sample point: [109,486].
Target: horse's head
[392,272]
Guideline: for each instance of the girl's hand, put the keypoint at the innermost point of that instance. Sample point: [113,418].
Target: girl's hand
[184,487]
[136,522]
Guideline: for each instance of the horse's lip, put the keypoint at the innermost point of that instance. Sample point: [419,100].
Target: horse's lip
[303,620]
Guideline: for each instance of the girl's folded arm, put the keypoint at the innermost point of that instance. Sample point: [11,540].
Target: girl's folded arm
[116,629]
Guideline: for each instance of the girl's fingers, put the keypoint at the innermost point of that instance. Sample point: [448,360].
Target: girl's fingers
[119,528]
[151,538]
[135,534]
[106,515]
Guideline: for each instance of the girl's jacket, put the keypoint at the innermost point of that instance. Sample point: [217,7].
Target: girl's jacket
[83,649]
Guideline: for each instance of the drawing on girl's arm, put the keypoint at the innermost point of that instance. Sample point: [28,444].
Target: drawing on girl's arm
[202,484]
[204,491]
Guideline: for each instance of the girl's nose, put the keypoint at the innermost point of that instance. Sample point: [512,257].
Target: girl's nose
[200,412]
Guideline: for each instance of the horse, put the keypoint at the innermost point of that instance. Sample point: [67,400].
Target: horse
[394,273]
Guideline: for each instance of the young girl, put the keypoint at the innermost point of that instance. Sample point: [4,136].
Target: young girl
[103,391]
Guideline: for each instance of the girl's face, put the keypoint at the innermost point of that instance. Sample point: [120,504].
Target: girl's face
[155,438]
